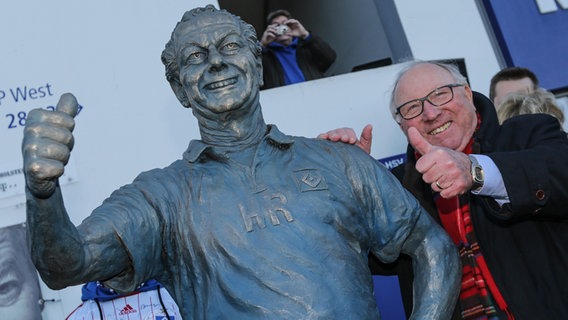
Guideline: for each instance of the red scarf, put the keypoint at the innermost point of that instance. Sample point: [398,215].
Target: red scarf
[478,293]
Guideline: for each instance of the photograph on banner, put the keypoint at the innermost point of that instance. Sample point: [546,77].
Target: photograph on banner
[20,294]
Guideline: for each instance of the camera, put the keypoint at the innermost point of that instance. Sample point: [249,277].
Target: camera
[281,29]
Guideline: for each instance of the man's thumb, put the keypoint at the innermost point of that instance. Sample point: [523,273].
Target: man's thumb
[366,139]
[418,142]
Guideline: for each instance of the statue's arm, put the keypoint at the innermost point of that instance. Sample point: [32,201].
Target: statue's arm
[62,254]
[437,270]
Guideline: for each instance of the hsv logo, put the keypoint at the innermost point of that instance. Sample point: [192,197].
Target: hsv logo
[547,6]
[393,161]
[127,310]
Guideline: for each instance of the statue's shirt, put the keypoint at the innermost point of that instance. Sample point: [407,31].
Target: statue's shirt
[285,238]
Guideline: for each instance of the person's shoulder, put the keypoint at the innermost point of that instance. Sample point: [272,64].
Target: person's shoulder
[324,146]
[312,39]
[531,126]
[169,172]
[346,151]
[531,120]
[324,143]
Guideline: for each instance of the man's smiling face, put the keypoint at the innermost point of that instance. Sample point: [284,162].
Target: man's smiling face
[218,70]
[450,125]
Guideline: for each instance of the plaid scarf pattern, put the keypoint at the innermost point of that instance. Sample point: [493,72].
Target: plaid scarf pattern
[479,294]
[476,292]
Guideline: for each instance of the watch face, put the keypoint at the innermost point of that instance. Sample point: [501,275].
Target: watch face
[478,174]
[478,177]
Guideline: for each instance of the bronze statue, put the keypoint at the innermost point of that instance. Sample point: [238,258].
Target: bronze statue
[250,223]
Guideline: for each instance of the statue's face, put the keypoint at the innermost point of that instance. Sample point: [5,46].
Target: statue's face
[218,71]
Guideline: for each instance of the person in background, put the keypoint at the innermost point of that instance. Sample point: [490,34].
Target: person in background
[251,223]
[539,101]
[20,295]
[499,191]
[149,301]
[511,80]
[290,53]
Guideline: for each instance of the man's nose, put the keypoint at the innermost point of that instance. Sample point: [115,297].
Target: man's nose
[430,111]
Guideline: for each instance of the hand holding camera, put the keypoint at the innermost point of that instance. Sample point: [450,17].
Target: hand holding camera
[281,29]
[296,29]
[291,27]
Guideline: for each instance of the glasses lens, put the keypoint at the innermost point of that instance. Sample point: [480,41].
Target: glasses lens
[441,96]
[411,109]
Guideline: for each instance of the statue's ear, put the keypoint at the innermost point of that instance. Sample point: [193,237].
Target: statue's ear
[260,72]
[180,93]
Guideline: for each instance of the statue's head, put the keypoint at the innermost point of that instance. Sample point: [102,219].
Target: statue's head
[213,61]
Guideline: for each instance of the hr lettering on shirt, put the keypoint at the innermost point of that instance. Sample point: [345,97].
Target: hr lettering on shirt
[274,211]
[270,208]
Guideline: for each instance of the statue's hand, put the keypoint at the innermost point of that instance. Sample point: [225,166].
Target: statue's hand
[47,144]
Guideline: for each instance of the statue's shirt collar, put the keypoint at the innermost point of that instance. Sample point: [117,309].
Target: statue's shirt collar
[197,149]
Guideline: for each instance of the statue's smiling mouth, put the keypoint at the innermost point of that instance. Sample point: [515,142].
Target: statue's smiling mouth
[221,84]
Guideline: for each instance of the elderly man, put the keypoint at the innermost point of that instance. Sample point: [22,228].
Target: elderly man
[251,223]
[499,191]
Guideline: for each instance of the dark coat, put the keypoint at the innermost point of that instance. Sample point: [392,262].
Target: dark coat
[525,243]
[314,57]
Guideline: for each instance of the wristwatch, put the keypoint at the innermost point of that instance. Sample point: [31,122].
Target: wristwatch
[476,174]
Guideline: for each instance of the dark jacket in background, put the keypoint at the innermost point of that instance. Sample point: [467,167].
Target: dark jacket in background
[525,243]
[314,57]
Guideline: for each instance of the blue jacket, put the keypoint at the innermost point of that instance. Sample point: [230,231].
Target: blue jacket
[314,57]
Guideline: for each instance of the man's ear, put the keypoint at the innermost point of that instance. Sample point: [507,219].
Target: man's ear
[468,93]
[180,93]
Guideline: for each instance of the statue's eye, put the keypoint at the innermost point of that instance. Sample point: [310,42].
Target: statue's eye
[231,46]
[196,57]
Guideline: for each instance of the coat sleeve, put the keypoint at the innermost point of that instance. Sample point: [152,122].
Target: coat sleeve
[532,157]
[321,54]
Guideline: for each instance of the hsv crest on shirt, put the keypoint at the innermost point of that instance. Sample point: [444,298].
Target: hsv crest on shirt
[309,180]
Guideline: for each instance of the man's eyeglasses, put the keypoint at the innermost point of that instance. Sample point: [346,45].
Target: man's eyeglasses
[438,97]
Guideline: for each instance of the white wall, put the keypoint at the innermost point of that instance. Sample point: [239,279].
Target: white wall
[108,54]
[445,29]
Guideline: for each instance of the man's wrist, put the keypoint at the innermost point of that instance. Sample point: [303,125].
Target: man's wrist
[477,174]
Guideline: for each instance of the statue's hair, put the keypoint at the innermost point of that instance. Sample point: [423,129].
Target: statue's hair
[169,53]
[453,69]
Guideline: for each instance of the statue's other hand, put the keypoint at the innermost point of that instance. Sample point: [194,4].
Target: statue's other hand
[47,144]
